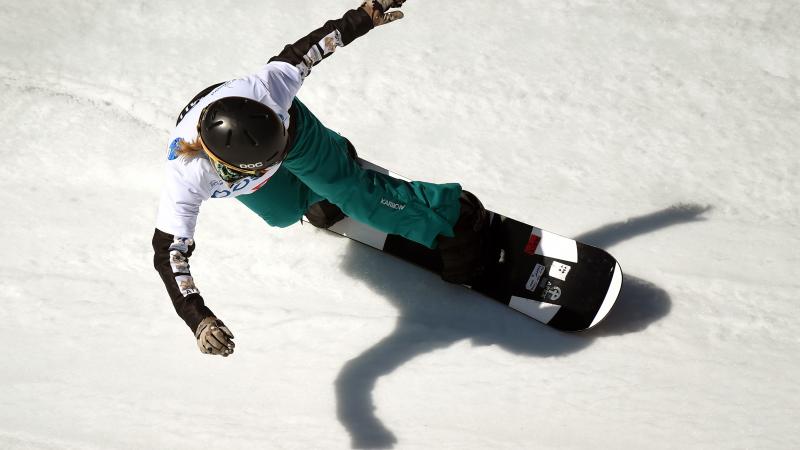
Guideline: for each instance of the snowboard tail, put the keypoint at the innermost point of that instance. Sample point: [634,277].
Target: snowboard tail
[568,285]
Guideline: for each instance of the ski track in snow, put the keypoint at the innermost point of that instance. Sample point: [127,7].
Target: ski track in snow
[664,132]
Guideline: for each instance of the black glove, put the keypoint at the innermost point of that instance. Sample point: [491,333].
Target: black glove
[214,338]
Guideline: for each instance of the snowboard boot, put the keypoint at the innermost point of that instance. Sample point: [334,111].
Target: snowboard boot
[462,254]
[324,214]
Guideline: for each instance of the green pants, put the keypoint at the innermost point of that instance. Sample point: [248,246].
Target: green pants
[318,167]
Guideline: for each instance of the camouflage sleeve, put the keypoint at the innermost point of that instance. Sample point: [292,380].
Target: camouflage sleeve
[322,42]
[171,261]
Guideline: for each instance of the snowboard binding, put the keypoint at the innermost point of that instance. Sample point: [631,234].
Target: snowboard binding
[463,255]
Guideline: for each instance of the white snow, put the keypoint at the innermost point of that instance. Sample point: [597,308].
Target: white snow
[666,132]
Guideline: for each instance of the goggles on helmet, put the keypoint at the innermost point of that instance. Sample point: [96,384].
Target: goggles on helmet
[229,169]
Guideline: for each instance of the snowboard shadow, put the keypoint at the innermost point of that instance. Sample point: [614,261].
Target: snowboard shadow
[435,315]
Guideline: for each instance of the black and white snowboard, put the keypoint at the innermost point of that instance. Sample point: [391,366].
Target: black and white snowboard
[565,284]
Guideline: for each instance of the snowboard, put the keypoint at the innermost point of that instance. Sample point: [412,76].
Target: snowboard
[565,284]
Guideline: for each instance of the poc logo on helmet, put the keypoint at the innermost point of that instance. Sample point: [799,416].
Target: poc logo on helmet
[251,166]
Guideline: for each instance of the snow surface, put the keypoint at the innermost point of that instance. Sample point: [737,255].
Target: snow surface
[664,131]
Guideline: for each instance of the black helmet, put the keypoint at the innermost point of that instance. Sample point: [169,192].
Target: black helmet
[242,134]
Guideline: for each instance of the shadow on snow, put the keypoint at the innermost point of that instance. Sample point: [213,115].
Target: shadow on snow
[435,315]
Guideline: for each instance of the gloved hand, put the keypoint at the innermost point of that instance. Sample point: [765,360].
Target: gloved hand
[377,9]
[213,337]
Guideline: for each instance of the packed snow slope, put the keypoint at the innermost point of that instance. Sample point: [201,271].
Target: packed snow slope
[665,132]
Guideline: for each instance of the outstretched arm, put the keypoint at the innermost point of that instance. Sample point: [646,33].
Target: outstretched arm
[171,260]
[322,42]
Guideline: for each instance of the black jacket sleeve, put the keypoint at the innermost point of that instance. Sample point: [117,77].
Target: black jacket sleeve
[171,261]
[316,46]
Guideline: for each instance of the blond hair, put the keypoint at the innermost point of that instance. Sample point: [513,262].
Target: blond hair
[190,149]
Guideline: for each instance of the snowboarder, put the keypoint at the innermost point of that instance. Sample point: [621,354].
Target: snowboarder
[252,139]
